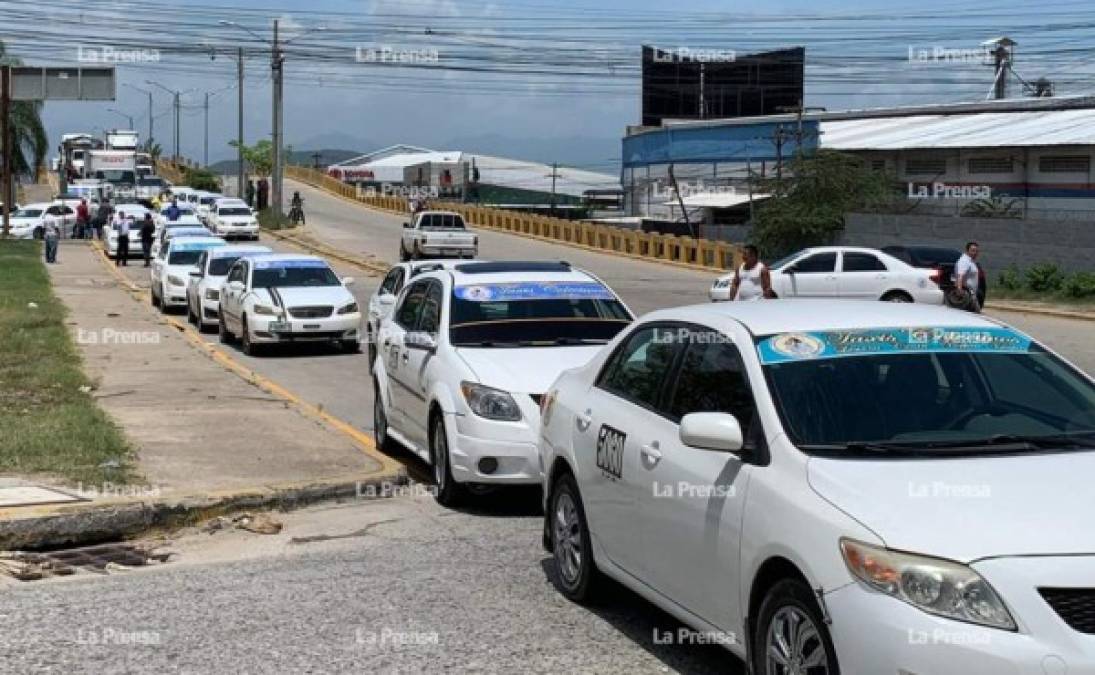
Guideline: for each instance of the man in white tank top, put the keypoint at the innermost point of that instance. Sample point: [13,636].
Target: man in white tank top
[751,280]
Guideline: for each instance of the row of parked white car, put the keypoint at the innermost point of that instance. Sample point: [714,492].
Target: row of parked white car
[818,486]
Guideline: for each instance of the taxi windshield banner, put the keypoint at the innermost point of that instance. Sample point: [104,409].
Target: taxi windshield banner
[791,347]
[278,264]
[533,291]
[195,246]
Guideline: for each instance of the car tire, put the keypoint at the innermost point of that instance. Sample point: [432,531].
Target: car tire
[351,346]
[152,296]
[448,492]
[403,256]
[575,572]
[249,347]
[371,349]
[163,305]
[226,337]
[380,421]
[897,296]
[192,318]
[790,611]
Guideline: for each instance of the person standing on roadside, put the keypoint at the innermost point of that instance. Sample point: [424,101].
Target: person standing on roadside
[83,221]
[264,194]
[173,211]
[966,279]
[51,234]
[148,230]
[103,217]
[751,280]
[251,193]
[121,226]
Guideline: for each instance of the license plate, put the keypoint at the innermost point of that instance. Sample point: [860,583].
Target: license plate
[311,326]
[451,251]
[279,327]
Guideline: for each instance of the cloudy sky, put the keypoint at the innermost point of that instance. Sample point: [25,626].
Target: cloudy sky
[553,81]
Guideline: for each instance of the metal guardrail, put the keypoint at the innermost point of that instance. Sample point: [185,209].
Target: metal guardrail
[667,248]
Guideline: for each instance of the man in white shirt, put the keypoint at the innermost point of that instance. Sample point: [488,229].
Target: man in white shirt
[751,280]
[967,276]
[121,226]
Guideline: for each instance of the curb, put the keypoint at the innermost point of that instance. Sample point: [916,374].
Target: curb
[91,524]
[1043,311]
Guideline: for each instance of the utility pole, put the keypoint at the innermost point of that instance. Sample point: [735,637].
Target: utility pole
[241,176]
[680,200]
[205,148]
[554,175]
[316,156]
[6,134]
[176,127]
[276,72]
[150,120]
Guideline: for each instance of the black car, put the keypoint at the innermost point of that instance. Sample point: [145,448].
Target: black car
[939,258]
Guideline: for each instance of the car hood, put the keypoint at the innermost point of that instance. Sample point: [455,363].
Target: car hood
[528,370]
[307,296]
[235,220]
[967,509]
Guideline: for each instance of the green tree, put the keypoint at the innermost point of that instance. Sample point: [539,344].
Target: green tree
[808,203]
[31,141]
[259,157]
[153,149]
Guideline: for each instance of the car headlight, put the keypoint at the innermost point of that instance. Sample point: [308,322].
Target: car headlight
[936,586]
[212,294]
[490,403]
[267,310]
[175,281]
[348,309]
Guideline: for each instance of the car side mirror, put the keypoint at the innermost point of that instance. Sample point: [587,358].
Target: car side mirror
[421,341]
[386,299]
[406,225]
[348,281]
[711,431]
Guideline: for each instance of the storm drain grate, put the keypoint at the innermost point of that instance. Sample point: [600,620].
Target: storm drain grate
[101,559]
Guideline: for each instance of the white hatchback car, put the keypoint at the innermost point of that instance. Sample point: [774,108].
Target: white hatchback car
[466,355]
[876,490]
[203,289]
[845,272]
[233,218]
[382,301]
[287,298]
[170,270]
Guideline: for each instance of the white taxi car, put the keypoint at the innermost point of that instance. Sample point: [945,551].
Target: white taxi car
[286,298]
[382,301]
[877,490]
[233,218]
[466,355]
[203,289]
[172,230]
[170,271]
[135,214]
[845,272]
[204,204]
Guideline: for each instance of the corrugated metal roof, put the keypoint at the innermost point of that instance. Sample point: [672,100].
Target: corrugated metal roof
[515,173]
[987,129]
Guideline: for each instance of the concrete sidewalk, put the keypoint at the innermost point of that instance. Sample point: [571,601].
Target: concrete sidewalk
[197,428]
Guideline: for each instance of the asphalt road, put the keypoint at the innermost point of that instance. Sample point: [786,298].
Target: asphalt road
[396,585]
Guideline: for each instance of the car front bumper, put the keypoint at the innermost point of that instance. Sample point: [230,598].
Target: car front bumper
[229,231]
[173,296]
[875,633]
[268,329]
[512,445]
[442,251]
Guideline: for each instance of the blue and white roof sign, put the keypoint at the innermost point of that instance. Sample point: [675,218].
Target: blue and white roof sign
[549,290]
[289,264]
[792,347]
[180,246]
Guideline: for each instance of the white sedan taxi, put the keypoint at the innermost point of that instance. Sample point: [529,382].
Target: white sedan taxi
[466,355]
[881,489]
[170,271]
[286,298]
[233,218]
[383,300]
[847,273]
[203,289]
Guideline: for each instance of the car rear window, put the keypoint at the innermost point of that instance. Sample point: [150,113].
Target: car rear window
[442,221]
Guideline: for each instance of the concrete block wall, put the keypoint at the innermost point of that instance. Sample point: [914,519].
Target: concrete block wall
[1004,241]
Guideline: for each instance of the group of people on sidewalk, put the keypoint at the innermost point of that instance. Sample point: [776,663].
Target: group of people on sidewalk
[752,280]
[87,227]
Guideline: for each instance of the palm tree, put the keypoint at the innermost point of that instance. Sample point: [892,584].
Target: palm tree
[27,130]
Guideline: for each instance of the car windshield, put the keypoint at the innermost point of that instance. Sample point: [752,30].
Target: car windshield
[150,181]
[291,274]
[27,213]
[489,319]
[448,221]
[208,201]
[218,267]
[979,392]
[116,176]
[184,257]
[235,211]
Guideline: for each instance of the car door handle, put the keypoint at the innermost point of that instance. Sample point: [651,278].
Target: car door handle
[583,420]
[651,453]
[406,355]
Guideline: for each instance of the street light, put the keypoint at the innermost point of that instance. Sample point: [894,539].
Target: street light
[125,115]
[277,61]
[149,93]
[241,176]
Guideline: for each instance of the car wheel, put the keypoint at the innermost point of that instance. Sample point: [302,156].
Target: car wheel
[191,317]
[576,574]
[222,329]
[449,493]
[403,257]
[791,635]
[152,296]
[249,347]
[163,305]
[380,421]
[351,346]
[415,253]
[371,349]
[897,296]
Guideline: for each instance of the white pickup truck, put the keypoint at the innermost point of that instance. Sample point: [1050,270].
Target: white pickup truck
[437,234]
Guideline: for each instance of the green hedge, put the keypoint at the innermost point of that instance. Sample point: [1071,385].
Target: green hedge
[1047,281]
